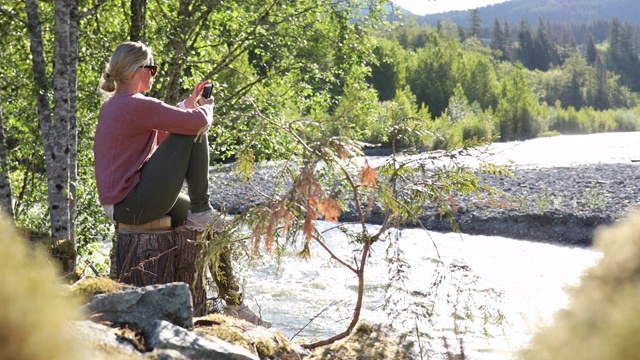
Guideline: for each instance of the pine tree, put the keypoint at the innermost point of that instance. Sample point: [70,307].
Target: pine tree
[508,42]
[525,49]
[574,93]
[476,24]
[601,99]
[498,39]
[592,52]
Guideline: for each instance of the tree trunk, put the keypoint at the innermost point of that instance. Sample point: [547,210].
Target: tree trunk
[59,192]
[38,67]
[148,257]
[180,45]
[178,53]
[74,33]
[6,205]
[59,130]
[138,16]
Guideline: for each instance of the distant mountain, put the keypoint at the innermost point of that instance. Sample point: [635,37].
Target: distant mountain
[570,11]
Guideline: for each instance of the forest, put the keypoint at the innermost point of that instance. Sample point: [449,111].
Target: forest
[519,83]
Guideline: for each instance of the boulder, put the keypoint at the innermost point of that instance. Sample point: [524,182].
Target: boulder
[143,306]
[103,336]
[165,335]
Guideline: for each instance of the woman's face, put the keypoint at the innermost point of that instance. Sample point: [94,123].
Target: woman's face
[145,75]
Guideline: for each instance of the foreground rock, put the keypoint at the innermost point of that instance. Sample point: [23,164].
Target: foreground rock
[167,336]
[142,307]
[366,342]
[156,322]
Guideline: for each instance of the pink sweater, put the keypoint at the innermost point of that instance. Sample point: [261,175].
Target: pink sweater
[130,129]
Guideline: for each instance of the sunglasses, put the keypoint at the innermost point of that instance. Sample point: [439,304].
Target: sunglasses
[153,69]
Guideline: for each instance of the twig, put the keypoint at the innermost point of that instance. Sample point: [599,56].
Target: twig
[315,317]
[141,264]
[418,337]
[90,264]
[334,256]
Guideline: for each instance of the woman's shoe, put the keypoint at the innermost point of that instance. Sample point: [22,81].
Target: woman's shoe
[206,220]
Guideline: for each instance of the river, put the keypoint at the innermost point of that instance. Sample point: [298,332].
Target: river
[491,293]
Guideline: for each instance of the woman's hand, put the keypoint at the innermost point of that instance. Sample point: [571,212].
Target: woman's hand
[202,100]
[208,101]
[196,97]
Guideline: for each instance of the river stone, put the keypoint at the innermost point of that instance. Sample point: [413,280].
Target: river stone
[143,306]
[92,333]
[167,354]
[165,335]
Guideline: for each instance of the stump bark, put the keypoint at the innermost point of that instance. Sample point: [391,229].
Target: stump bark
[146,256]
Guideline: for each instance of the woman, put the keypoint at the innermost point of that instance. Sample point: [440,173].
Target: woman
[145,150]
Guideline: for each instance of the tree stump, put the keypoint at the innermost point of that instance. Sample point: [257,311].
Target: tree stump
[155,253]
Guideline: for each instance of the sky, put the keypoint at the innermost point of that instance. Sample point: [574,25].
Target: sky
[421,7]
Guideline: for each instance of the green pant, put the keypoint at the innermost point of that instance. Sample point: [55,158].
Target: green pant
[158,193]
[178,158]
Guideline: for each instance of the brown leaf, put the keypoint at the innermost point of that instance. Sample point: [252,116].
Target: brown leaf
[287,217]
[307,228]
[268,236]
[368,177]
[256,237]
[260,233]
[343,154]
[278,213]
[330,209]
[453,204]
[371,203]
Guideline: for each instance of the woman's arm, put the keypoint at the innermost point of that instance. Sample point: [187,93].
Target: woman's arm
[192,101]
[153,114]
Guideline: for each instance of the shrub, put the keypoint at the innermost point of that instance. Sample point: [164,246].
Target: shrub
[603,319]
[33,313]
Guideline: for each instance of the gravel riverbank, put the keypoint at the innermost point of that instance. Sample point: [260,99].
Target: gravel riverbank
[561,205]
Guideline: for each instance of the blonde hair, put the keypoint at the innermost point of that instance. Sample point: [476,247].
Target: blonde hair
[126,59]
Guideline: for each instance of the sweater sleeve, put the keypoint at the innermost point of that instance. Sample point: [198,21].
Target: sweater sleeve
[154,114]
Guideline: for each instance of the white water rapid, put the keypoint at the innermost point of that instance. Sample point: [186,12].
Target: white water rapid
[492,291]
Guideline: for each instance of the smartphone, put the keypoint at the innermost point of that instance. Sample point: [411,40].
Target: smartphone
[206,93]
